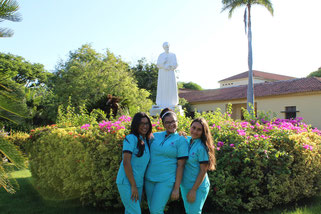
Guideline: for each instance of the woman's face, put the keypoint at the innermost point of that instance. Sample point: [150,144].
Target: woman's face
[170,123]
[143,126]
[196,130]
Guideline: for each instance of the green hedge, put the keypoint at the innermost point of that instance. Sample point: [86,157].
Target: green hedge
[259,165]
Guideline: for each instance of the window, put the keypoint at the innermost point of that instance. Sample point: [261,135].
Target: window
[290,112]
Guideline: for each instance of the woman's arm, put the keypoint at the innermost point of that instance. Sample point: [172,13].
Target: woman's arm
[199,180]
[129,173]
[179,175]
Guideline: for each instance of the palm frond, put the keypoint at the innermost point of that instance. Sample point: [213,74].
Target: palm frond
[17,160]
[5,181]
[267,4]
[5,32]
[11,152]
[8,11]
[231,5]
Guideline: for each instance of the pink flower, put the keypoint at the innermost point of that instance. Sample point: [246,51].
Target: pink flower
[232,145]
[220,144]
[86,126]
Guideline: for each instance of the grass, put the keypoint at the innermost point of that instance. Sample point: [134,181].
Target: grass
[28,201]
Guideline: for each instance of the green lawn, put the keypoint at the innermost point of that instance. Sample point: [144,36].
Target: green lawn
[28,201]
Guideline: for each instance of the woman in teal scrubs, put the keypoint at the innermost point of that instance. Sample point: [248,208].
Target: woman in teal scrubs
[201,157]
[169,152]
[130,177]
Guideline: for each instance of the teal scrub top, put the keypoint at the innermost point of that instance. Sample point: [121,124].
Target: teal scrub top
[165,151]
[139,164]
[197,154]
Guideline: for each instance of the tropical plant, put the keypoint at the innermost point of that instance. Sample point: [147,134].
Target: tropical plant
[231,5]
[8,11]
[11,109]
[9,152]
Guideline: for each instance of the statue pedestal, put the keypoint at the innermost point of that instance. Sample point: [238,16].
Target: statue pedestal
[156,109]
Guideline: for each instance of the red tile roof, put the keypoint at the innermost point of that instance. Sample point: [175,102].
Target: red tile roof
[260,90]
[261,74]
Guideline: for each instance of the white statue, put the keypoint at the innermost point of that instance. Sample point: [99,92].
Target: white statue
[167,95]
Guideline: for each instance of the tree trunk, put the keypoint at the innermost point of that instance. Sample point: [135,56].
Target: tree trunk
[250,88]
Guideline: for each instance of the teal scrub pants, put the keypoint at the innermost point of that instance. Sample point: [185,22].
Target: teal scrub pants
[125,192]
[197,205]
[157,194]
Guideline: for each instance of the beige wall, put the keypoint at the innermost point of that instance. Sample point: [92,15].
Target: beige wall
[244,81]
[308,105]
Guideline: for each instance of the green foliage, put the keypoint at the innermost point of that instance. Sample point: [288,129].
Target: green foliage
[23,72]
[315,73]
[77,163]
[189,85]
[88,75]
[12,108]
[23,87]
[9,152]
[259,166]
[146,75]
[69,117]
[8,11]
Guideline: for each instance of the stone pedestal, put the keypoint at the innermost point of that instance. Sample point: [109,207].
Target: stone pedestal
[156,110]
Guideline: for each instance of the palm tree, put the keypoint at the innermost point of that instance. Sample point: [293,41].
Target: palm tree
[11,109]
[8,11]
[231,5]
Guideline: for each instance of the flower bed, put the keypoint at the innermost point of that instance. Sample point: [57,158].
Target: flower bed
[259,164]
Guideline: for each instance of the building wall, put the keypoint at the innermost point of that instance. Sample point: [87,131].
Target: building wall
[244,81]
[308,105]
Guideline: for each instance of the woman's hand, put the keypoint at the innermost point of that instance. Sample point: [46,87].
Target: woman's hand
[182,133]
[175,194]
[191,195]
[134,193]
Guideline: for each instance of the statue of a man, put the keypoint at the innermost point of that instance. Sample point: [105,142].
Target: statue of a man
[167,95]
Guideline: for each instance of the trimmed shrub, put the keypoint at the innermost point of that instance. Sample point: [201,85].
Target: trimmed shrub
[259,165]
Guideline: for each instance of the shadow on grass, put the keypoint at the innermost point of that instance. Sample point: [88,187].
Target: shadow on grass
[28,201]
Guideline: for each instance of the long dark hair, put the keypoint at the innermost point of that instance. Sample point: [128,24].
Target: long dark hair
[134,130]
[207,141]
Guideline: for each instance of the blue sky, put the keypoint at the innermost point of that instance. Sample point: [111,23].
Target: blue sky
[209,46]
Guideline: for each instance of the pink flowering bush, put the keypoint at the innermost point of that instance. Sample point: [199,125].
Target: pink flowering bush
[260,164]
[263,164]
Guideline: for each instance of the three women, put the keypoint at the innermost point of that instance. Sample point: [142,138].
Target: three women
[165,173]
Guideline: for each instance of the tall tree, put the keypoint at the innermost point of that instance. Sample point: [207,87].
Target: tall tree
[231,5]
[146,75]
[27,83]
[8,11]
[87,76]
